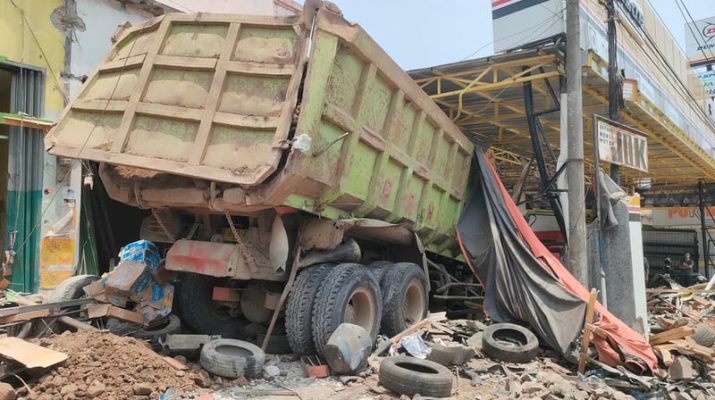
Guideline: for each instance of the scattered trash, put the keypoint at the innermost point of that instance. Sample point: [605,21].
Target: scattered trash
[271,372]
[414,345]
[314,367]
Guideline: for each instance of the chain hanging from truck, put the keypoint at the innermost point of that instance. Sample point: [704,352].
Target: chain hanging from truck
[241,246]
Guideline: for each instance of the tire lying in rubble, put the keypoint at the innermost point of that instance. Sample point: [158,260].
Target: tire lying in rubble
[171,325]
[198,310]
[410,376]
[510,343]
[404,297]
[348,293]
[163,327]
[70,288]
[704,335]
[232,358]
[299,309]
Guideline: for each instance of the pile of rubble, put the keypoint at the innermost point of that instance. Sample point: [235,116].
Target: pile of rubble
[682,323]
[102,365]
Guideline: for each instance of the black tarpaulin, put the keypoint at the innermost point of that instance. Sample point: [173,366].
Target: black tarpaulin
[517,287]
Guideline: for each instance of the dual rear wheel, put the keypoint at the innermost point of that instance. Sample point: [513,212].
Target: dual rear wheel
[387,296]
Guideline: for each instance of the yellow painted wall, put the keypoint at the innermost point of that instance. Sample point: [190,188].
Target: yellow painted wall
[25,39]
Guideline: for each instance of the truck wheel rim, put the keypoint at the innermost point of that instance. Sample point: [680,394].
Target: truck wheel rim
[360,309]
[414,304]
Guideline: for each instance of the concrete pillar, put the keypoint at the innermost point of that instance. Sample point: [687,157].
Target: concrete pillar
[623,264]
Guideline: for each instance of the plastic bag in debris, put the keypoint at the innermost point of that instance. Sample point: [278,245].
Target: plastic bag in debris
[414,345]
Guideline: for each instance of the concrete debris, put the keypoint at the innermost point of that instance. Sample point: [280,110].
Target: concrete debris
[7,392]
[682,370]
[347,349]
[451,355]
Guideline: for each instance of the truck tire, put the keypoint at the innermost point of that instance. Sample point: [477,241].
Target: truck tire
[198,310]
[379,268]
[404,297]
[411,376]
[510,343]
[299,310]
[70,288]
[170,326]
[348,293]
[232,358]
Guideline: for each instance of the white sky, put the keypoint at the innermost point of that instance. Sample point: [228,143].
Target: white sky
[425,33]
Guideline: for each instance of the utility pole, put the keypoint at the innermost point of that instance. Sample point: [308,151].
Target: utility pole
[704,231]
[614,80]
[574,168]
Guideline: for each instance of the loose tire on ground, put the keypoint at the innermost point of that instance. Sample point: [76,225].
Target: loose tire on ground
[232,358]
[70,288]
[170,326]
[410,376]
[198,310]
[404,297]
[510,343]
[704,335]
[348,293]
[299,309]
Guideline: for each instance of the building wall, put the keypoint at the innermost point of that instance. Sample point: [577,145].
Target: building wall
[31,39]
[520,22]
[663,85]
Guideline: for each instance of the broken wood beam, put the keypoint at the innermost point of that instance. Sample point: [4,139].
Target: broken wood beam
[586,340]
[77,324]
[670,335]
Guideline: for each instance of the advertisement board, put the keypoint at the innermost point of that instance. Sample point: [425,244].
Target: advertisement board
[621,145]
[700,41]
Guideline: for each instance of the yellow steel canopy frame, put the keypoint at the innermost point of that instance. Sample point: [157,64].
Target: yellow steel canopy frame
[485,98]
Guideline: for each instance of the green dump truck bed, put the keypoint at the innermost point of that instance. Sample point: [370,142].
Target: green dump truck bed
[243,113]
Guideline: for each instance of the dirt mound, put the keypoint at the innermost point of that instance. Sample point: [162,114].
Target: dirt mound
[102,365]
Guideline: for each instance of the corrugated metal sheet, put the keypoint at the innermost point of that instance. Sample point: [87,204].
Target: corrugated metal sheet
[26,152]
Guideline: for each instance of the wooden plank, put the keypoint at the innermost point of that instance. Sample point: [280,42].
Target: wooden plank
[102,310]
[664,354]
[25,121]
[670,335]
[28,354]
[586,340]
[24,316]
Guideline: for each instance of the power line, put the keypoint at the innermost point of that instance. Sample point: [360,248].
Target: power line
[692,31]
[555,16]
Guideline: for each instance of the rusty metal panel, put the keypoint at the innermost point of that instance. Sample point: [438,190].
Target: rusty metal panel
[221,109]
[196,95]
[381,148]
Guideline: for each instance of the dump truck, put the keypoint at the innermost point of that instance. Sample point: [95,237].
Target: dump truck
[279,155]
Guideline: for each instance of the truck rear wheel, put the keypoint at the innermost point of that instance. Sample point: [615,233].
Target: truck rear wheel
[349,293]
[404,297]
[299,310]
[200,312]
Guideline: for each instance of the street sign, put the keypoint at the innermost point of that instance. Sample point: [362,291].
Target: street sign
[621,145]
